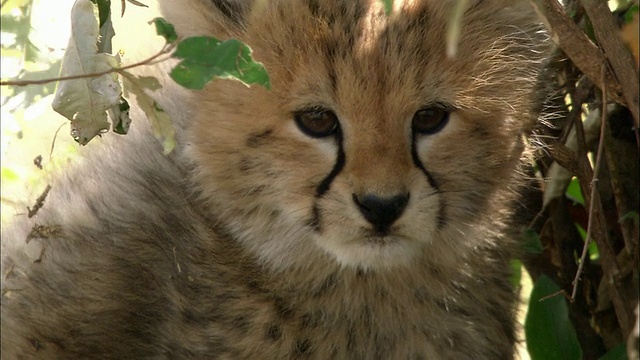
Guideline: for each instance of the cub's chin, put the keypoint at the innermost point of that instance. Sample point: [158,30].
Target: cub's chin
[373,251]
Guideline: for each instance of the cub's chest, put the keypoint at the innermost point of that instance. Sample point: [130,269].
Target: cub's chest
[335,319]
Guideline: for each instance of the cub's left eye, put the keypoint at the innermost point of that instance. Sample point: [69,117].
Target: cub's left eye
[317,123]
[429,120]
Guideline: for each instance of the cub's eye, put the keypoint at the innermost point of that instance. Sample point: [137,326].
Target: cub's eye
[317,123]
[429,120]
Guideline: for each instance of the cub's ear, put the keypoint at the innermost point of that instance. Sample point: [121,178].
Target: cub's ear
[235,11]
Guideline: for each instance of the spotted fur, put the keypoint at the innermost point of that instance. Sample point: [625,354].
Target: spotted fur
[246,242]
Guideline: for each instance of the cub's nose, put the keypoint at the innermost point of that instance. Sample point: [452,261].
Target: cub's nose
[381,212]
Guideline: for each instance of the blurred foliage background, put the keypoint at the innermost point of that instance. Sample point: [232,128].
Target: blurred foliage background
[33,39]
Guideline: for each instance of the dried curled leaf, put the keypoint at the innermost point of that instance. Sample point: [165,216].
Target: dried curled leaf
[85,101]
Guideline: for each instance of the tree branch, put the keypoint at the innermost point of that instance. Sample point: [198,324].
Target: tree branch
[578,47]
[167,48]
[621,60]
[594,191]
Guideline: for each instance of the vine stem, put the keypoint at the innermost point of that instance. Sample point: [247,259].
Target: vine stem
[167,48]
[594,180]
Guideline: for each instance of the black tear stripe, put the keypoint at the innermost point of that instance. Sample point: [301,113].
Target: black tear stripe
[419,165]
[314,222]
[326,183]
[324,186]
[441,217]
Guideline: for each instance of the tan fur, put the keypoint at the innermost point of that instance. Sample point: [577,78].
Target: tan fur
[227,250]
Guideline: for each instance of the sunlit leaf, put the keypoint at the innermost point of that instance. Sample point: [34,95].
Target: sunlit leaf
[160,121]
[573,191]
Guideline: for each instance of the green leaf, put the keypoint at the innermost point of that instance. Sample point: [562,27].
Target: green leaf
[205,58]
[594,253]
[618,352]
[160,121]
[573,191]
[549,332]
[165,29]
[592,248]
[532,244]
[195,48]
[581,231]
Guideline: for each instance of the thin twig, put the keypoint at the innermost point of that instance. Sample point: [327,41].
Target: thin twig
[167,48]
[577,45]
[594,191]
[55,136]
[559,292]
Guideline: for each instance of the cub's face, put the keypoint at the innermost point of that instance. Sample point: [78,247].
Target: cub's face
[373,148]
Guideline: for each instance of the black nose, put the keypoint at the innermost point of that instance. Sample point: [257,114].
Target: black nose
[381,212]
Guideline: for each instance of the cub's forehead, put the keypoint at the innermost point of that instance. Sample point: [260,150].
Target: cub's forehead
[341,47]
[336,44]
[340,29]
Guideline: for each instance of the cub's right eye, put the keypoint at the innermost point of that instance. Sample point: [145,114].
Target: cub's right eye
[317,122]
[430,120]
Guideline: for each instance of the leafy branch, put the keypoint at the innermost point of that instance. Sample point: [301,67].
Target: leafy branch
[90,88]
[596,114]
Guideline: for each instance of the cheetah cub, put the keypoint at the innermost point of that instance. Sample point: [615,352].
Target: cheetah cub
[353,211]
